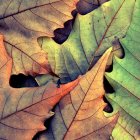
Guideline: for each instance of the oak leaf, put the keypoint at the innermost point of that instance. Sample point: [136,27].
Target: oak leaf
[23,110]
[22,22]
[92,34]
[86,6]
[125,79]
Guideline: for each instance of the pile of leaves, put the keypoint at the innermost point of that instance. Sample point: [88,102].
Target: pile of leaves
[81,66]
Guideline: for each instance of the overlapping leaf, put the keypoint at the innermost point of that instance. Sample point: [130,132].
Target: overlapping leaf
[79,114]
[125,79]
[92,34]
[82,7]
[23,111]
[22,22]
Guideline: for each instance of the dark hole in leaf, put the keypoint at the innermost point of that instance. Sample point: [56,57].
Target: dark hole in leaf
[20,80]
[109,68]
[47,124]
[62,34]
[108,88]
[36,137]
[108,108]
[83,7]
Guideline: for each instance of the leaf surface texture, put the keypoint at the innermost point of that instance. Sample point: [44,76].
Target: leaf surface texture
[24,110]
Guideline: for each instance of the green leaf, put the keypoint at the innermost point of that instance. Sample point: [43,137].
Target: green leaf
[23,21]
[92,34]
[125,79]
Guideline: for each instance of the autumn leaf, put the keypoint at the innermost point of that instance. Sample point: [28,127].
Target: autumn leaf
[22,22]
[125,79]
[92,34]
[79,115]
[82,7]
[24,110]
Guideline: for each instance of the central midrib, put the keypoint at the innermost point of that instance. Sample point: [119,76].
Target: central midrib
[83,99]
[108,27]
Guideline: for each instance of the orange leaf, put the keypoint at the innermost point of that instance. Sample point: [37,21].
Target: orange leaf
[80,114]
[23,111]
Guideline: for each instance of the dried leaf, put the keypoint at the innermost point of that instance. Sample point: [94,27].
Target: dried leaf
[23,110]
[22,22]
[79,114]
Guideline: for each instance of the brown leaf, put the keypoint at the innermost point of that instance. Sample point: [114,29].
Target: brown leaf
[79,115]
[22,22]
[23,110]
